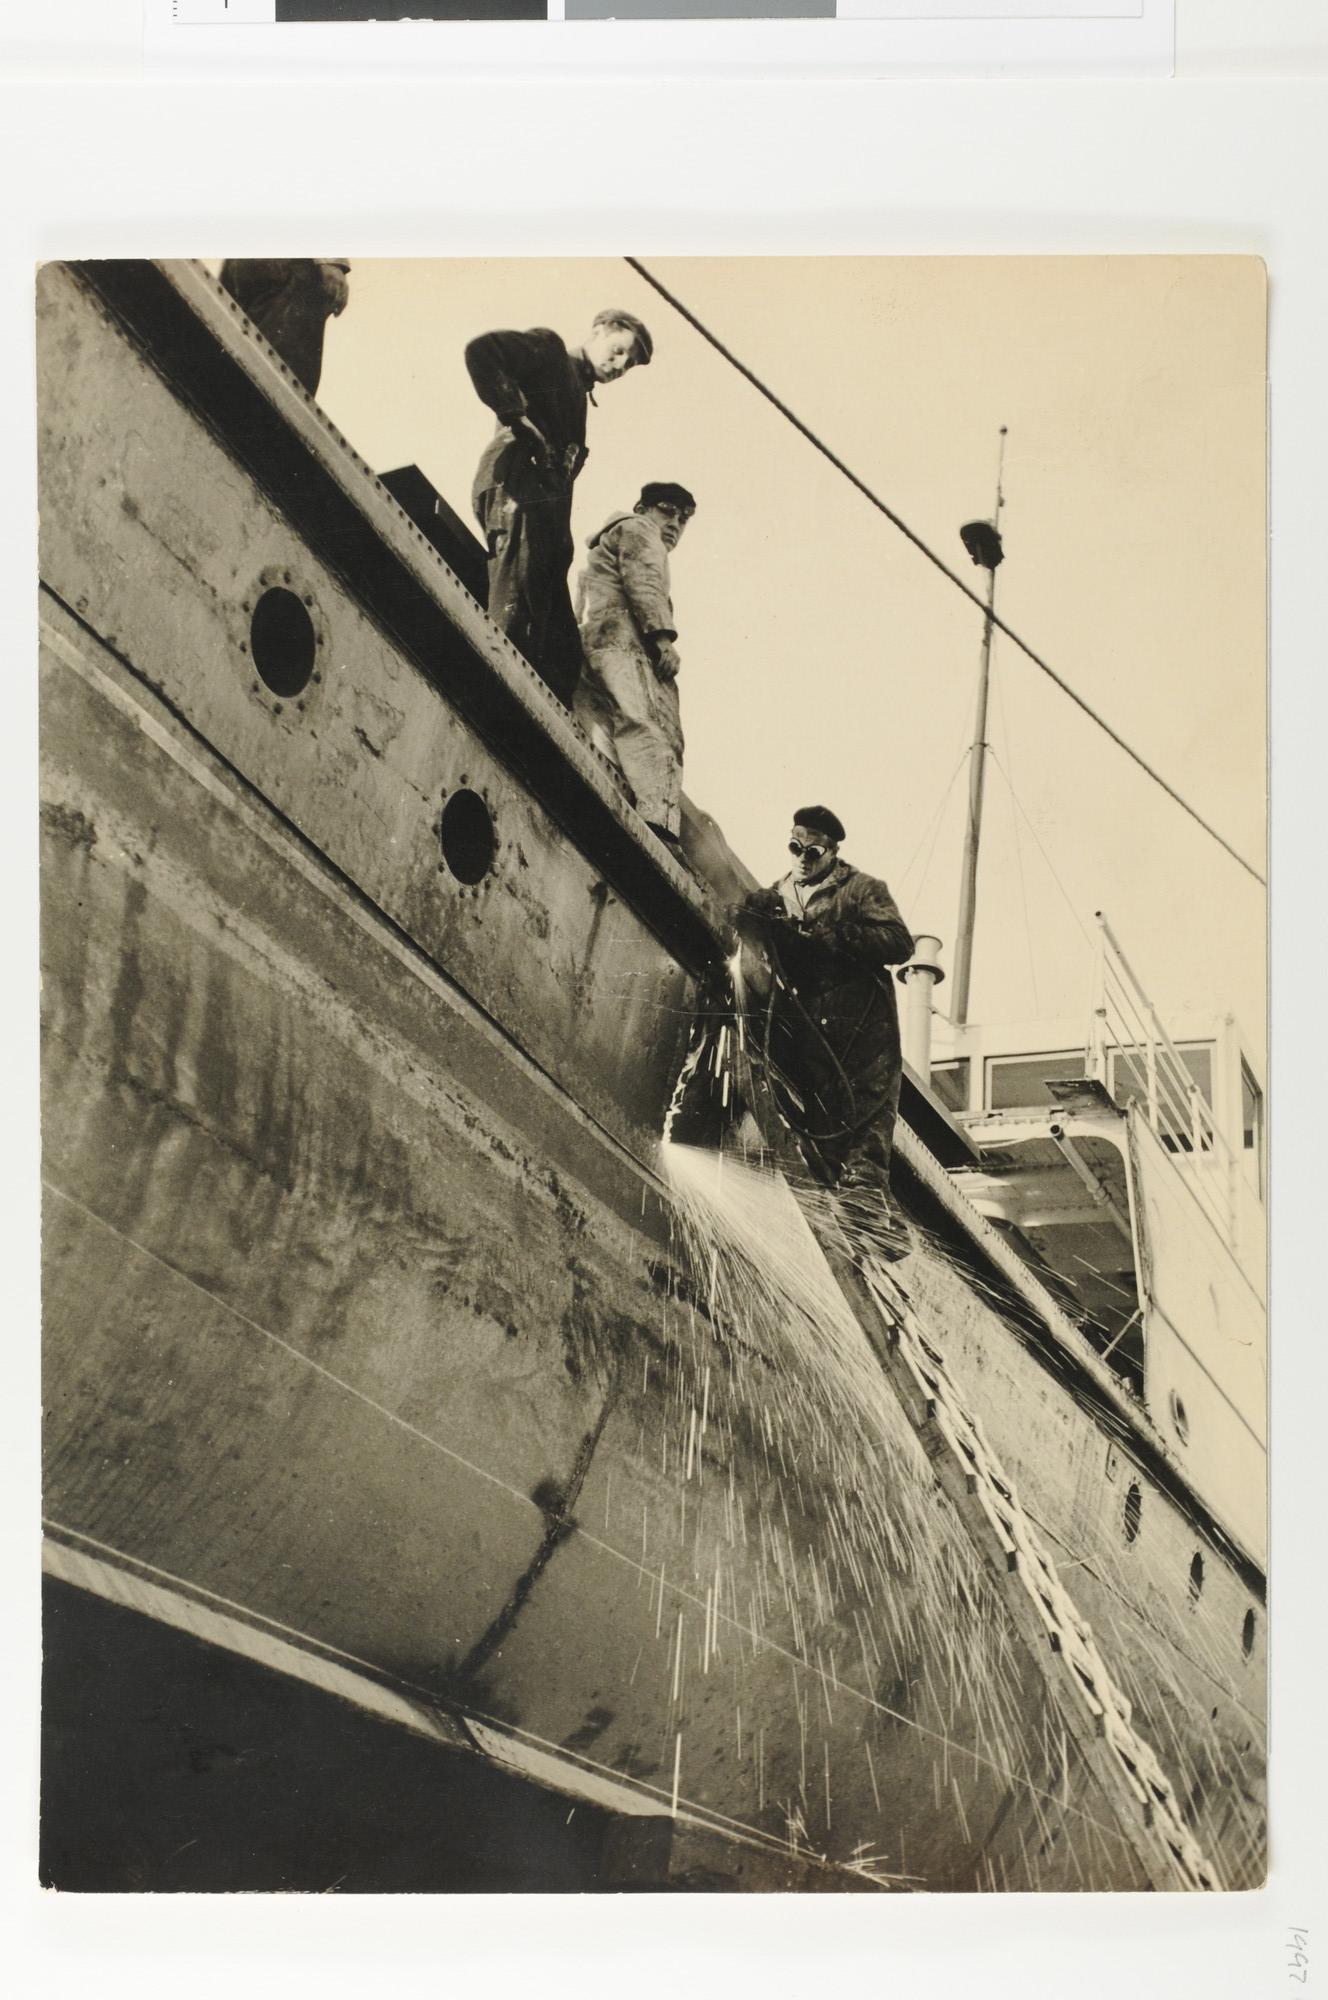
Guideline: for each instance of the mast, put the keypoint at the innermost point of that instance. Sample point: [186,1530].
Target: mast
[982,539]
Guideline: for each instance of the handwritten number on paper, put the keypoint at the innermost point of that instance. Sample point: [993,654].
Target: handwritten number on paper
[1298,1944]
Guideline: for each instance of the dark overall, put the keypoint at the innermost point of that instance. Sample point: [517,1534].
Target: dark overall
[830,1043]
[523,498]
[287,299]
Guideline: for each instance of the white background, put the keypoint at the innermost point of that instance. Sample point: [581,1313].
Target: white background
[1229,157]
[915,37]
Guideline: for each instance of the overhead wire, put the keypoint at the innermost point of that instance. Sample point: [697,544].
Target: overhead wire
[925,876]
[1019,807]
[1092,948]
[932,829]
[1018,844]
[924,548]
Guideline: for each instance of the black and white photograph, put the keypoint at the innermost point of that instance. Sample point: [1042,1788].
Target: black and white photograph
[654,1073]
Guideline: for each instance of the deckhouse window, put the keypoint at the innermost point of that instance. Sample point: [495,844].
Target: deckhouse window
[949,1080]
[1018,1083]
[1251,1119]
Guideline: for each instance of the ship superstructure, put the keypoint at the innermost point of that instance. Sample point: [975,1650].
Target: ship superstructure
[1126,1162]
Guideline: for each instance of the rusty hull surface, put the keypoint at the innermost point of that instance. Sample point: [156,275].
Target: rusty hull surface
[347,1324]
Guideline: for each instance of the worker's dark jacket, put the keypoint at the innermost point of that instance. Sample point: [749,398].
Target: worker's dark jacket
[523,496]
[531,375]
[290,300]
[838,1033]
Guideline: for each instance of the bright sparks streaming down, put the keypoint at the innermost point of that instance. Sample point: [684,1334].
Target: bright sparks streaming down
[884,1625]
[823,1624]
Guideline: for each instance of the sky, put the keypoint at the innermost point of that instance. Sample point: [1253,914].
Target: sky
[823,659]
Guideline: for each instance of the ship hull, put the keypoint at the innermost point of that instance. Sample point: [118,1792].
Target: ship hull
[368,1334]
[334,1346]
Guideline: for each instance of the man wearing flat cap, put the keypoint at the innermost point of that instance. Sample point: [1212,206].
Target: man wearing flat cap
[538,389]
[829,934]
[629,685]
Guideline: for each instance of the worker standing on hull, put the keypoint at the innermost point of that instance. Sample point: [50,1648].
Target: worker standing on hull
[629,686]
[818,946]
[290,300]
[538,388]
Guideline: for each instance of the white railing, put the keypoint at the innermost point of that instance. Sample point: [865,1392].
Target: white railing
[1125,1026]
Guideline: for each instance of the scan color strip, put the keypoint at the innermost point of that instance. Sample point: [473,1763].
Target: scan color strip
[940,13]
[539,10]
[1082,20]
[412,10]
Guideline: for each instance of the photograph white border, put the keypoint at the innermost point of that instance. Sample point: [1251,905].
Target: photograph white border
[1232,164]
[877,38]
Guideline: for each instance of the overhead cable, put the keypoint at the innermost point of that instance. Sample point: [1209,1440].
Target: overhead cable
[939,563]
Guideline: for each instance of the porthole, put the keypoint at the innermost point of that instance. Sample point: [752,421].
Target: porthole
[1247,1635]
[467,838]
[1179,1418]
[1196,1578]
[1134,1507]
[282,642]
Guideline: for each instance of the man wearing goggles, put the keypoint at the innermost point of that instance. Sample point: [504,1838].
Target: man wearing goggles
[818,946]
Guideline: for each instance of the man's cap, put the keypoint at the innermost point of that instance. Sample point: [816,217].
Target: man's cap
[820,819]
[669,493]
[613,316]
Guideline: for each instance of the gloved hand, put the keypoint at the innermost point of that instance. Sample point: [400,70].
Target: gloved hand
[763,922]
[762,904]
[537,445]
[666,661]
[847,943]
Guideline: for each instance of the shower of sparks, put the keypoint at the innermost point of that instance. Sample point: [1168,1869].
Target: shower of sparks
[835,1615]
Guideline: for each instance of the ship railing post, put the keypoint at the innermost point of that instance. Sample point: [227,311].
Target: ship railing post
[1150,1063]
[1128,978]
[1097,1027]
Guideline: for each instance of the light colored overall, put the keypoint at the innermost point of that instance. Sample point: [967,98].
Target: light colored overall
[623,601]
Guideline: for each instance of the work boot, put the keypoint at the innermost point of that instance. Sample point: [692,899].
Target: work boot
[673,842]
